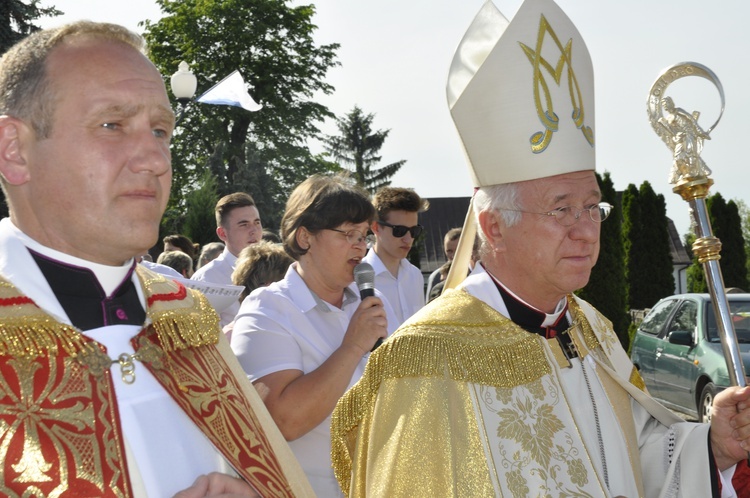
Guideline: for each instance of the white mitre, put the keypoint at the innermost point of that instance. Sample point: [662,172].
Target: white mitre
[521,94]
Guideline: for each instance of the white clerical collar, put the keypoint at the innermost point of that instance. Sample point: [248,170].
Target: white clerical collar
[110,277]
[550,318]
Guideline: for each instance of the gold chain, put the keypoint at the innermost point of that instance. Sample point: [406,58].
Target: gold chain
[127,366]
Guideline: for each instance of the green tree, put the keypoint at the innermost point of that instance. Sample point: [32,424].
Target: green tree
[356,149]
[267,193]
[647,247]
[631,235]
[745,221]
[727,227]
[271,43]
[606,289]
[199,221]
[659,274]
[16,22]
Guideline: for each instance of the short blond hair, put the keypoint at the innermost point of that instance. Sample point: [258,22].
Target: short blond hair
[25,89]
[178,261]
[260,264]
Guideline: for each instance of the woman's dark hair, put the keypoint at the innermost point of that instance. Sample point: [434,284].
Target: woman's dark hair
[323,202]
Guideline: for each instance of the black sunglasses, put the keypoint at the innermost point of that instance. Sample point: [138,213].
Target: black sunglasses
[400,230]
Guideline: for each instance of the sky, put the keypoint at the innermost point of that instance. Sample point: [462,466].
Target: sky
[395,56]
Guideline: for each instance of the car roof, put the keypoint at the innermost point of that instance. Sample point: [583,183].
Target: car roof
[707,297]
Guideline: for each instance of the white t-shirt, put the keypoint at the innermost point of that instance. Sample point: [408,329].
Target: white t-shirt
[286,327]
[219,271]
[405,293]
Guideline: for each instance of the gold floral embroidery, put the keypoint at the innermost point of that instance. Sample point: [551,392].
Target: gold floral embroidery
[53,411]
[199,380]
[532,426]
[535,447]
[517,484]
[577,472]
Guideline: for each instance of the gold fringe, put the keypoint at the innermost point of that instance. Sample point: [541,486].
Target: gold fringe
[457,337]
[27,331]
[186,327]
[35,336]
[179,323]
[579,317]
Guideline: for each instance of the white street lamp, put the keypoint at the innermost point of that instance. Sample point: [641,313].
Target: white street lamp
[183,83]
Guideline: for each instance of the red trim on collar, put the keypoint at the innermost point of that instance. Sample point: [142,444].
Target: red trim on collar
[174,296]
[12,301]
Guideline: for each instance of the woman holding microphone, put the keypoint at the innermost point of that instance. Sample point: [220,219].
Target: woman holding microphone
[305,340]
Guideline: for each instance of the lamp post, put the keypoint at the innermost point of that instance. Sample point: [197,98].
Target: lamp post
[183,83]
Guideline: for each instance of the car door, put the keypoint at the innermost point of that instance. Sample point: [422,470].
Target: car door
[648,342]
[675,369]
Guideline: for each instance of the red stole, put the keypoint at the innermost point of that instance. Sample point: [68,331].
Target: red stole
[60,432]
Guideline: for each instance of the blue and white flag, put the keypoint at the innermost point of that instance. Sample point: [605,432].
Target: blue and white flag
[230,91]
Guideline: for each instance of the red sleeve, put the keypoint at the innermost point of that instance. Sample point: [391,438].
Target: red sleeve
[741,479]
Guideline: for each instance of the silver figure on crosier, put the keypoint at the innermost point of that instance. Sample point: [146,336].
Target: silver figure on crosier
[679,129]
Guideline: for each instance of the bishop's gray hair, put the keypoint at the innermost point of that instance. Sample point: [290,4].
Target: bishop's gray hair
[493,198]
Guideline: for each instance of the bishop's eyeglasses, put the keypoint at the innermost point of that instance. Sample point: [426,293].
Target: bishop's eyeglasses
[569,215]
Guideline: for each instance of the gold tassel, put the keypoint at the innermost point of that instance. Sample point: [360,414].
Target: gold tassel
[185,327]
[39,335]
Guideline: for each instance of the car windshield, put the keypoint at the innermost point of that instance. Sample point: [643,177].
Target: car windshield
[740,312]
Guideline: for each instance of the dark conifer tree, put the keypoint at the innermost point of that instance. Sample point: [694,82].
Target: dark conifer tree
[607,289]
[658,274]
[631,234]
[647,247]
[727,227]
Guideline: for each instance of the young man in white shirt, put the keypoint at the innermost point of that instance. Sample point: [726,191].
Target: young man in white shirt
[395,230]
[238,225]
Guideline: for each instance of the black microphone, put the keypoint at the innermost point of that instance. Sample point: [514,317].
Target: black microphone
[364,276]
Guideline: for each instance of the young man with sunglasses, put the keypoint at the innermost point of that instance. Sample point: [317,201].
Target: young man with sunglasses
[395,230]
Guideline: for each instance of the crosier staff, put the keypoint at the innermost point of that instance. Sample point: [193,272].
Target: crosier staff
[681,132]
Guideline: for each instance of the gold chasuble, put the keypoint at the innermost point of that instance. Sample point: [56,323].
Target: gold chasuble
[60,433]
[462,402]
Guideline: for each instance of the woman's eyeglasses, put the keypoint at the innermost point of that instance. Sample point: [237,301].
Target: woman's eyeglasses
[354,237]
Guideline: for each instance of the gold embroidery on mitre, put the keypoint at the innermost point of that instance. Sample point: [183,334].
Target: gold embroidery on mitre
[181,317]
[545,110]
